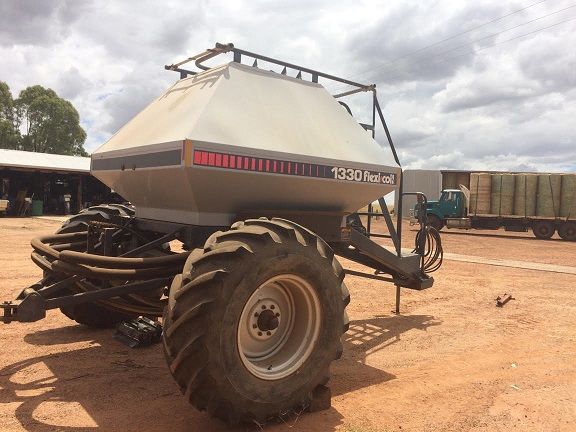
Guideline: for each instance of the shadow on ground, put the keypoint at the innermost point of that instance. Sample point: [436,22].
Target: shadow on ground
[106,386]
[366,337]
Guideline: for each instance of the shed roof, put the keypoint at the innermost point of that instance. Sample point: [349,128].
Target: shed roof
[43,161]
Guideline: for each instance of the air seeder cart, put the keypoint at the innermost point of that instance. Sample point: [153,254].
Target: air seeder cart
[259,175]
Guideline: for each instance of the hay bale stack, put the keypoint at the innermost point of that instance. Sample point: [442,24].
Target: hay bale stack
[526,186]
[568,196]
[548,197]
[480,187]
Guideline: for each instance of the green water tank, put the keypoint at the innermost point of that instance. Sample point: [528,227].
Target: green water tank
[37,208]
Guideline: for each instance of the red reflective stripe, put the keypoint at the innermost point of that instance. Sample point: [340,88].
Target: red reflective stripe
[274,169]
[253,164]
[211,157]
[232,161]
[267,165]
[197,157]
[218,161]
[246,162]
[204,158]
[259,164]
[225,163]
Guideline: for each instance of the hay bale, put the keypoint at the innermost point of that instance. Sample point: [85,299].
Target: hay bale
[568,196]
[548,197]
[526,186]
[507,194]
[495,193]
[480,187]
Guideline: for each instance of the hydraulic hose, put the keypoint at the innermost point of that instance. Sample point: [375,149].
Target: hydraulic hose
[429,245]
[53,255]
[122,263]
[108,274]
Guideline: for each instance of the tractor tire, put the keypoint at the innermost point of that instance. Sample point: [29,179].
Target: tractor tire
[567,231]
[543,230]
[93,314]
[255,320]
[435,222]
[100,213]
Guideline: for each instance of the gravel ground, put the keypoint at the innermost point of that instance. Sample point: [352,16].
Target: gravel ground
[451,361]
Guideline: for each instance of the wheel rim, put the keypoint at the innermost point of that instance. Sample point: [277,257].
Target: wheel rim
[279,327]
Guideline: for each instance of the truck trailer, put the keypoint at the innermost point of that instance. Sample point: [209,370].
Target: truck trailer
[544,203]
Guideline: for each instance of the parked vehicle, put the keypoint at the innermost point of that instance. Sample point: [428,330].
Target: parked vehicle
[544,203]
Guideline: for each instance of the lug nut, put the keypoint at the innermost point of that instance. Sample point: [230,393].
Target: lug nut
[259,333]
[256,314]
[277,314]
[254,326]
[263,307]
[268,333]
[272,307]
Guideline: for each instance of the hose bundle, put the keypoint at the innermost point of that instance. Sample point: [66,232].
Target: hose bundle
[53,255]
[429,246]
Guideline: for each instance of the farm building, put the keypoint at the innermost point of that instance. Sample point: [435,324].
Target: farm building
[40,183]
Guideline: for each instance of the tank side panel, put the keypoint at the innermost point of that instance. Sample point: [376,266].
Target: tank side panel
[169,118]
[256,109]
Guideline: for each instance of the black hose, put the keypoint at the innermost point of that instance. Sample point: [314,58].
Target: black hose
[40,244]
[122,263]
[53,255]
[429,245]
[109,274]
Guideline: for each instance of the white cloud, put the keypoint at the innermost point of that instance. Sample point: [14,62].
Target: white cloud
[477,106]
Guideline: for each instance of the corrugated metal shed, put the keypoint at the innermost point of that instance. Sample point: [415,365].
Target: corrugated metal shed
[427,181]
[43,161]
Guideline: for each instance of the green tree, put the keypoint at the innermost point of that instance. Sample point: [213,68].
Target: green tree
[52,124]
[9,133]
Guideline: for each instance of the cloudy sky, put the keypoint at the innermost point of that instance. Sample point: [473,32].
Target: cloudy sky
[471,85]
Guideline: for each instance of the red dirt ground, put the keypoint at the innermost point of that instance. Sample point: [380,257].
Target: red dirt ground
[451,362]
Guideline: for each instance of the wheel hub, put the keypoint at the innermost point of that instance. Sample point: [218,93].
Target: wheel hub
[279,327]
[268,320]
[265,318]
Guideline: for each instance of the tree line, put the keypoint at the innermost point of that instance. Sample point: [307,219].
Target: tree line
[40,121]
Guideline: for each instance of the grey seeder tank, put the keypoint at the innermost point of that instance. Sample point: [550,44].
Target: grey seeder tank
[236,138]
